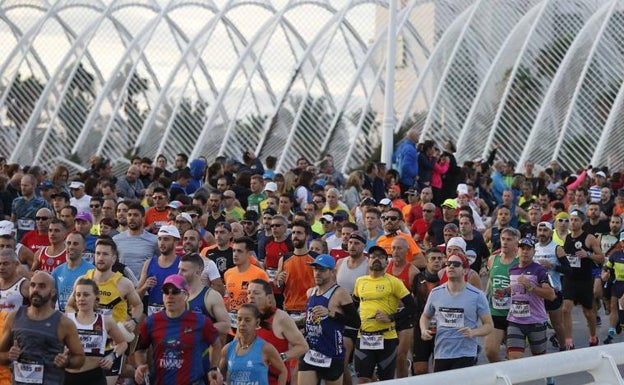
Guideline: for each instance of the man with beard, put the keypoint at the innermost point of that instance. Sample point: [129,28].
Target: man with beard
[392,222]
[135,244]
[378,295]
[39,341]
[221,252]
[492,235]
[116,293]
[66,274]
[156,269]
[210,275]
[278,328]
[121,214]
[293,273]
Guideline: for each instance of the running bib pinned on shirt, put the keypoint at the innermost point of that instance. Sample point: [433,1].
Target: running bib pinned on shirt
[272,273]
[371,341]
[154,308]
[520,309]
[25,224]
[233,319]
[314,358]
[450,317]
[28,372]
[574,261]
[501,303]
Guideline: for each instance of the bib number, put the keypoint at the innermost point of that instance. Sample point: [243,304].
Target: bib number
[520,309]
[28,373]
[574,261]
[154,308]
[233,320]
[501,303]
[314,358]
[371,342]
[25,224]
[272,273]
[450,318]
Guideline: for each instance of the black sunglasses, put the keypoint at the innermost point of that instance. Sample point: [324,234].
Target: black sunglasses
[454,263]
[172,291]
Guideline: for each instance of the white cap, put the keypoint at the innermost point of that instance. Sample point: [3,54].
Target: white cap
[185,216]
[169,230]
[6,228]
[270,186]
[601,174]
[457,242]
[76,184]
[462,189]
[385,202]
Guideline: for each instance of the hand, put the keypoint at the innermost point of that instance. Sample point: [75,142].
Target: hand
[581,253]
[426,335]
[215,377]
[545,263]
[150,282]
[62,359]
[282,276]
[320,311]
[382,317]
[106,362]
[466,331]
[500,293]
[14,351]
[139,373]
[130,325]
[524,281]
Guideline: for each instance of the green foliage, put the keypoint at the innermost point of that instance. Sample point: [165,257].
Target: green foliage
[22,98]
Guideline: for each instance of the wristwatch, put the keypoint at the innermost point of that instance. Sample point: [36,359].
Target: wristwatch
[284,356]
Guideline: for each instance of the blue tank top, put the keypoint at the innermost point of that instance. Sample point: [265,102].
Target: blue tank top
[247,368]
[196,304]
[324,335]
[155,298]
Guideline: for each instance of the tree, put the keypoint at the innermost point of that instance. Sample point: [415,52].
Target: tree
[78,101]
[22,98]
[135,115]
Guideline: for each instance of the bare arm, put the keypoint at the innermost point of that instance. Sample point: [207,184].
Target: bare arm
[144,283]
[7,340]
[271,357]
[215,305]
[297,343]
[75,356]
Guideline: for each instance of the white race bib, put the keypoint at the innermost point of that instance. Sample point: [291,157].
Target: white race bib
[371,341]
[154,308]
[501,303]
[25,224]
[29,373]
[233,319]
[520,309]
[314,358]
[450,317]
[574,261]
[272,273]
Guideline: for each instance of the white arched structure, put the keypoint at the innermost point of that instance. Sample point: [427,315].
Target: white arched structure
[542,79]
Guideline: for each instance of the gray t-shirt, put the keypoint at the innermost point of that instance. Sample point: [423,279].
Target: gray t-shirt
[134,250]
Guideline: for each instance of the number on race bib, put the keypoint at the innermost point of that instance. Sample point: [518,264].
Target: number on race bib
[371,342]
[314,358]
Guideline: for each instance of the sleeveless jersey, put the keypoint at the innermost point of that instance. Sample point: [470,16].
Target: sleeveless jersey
[48,262]
[324,334]
[423,283]
[197,303]
[247,368]
[499,279]
[403,275]
[495,238]
[346,276]
[281,344]
[558,240]
[39,343]
[93,336]
[155,298]
[11,298]
[581,267]
[110,298]
[549,253]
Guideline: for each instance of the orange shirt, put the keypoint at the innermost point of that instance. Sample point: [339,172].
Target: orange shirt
[158,218]
[236,283]
[299,278]
[385,241]
[5,373]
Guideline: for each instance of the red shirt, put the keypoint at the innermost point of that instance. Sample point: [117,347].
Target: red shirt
[35,241]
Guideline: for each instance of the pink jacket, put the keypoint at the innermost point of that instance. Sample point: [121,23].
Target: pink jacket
[439,169]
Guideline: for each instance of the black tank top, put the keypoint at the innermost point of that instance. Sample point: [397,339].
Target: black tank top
[581,267]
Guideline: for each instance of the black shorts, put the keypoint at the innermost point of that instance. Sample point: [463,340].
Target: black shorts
[581,292]
[422,350]
[94,376]
[554,304]
[500,322]
[403,322]
[117,367]
[335,370]
[384,360]
[453,363]
[617,290]
[350,333]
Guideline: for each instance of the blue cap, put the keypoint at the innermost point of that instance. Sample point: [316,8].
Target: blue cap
[324,260]
[526,242]
[321,182]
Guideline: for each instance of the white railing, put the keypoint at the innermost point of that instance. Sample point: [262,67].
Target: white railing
[600,361]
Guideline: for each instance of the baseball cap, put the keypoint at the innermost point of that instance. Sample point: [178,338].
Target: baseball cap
[462,189]
[175,204]
[176,280]
[545,224]
[385,202]
[358,235]
[60,194]
[320,182]
[325,261]
[577,213]
[450,203]
[169,230]
[601,174]
[396,188]
[412,191]
[376,248]
[46,184]
[185,216]
[526,242]
[269,211]
[457,242]
[6,228]
[341,215]
[562,215]
[328,217]
[84,216]
[76,184]
[270,186]
[368,202]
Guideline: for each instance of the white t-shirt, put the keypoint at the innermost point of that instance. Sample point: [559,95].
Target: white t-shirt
[82,204]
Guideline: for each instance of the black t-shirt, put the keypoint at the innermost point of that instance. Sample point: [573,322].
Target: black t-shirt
[436,230]
[211,222]
[477,244]
[222,258]
[602,227]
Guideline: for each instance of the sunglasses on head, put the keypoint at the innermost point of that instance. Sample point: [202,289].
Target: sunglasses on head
[454,263]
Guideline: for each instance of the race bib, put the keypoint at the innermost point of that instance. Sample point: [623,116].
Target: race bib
[450,317]
[233,320]
[154,308]
[272,273]
[314,358]
[25,224]
[28,372]
[574,261]
[501,303]
[371,342]
[520,309]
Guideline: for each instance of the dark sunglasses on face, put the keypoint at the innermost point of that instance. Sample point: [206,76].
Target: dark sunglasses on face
[562,220]
[389,218]
[171,291]
[42,218]
[454,263]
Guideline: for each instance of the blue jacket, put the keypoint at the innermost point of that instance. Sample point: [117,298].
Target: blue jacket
[405,161]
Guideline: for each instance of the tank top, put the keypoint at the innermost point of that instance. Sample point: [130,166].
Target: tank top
[423,283]
[39,343]
[111,302]
[346,276]
[197,304]
[499,279]
[48,262]
[549,253]
[11,298]
[155,298]
[324,334]
[93,336]
[247,368]
[558,240]
[403,275]
[581,267]
[495,238]
[281,344]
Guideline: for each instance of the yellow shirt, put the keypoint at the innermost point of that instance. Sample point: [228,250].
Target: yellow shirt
[380,293]
[111,301]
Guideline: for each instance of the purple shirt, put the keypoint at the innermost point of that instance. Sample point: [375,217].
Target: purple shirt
[527,307]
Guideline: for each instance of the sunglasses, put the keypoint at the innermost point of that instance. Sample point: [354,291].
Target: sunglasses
[563,220]
[276,225]
[389,218]
[454,264]
[42,218]
[171,291]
